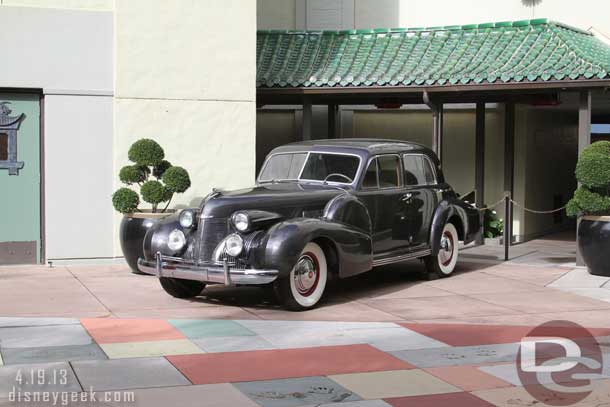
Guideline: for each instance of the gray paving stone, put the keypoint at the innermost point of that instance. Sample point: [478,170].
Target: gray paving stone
[509,374]
[43,336]
[363,403]
[463,355]
[48,354]
[37,378]
[136,373]
[296,392]
[6,322]
[393,339]
[232,344]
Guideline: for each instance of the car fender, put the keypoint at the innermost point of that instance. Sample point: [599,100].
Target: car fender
[445,210]
[284,242]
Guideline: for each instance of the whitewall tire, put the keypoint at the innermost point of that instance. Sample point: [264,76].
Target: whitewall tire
[443,264]
[303,288]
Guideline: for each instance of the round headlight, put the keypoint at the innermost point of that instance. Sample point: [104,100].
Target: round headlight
[187,219]
[176,240]
[241,221]
[234,244]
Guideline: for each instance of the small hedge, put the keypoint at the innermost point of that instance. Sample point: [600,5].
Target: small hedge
[593,173]
[147,157]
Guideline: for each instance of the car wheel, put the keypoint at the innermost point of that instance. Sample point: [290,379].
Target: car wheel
[443,264]
[304,286]
[180,288]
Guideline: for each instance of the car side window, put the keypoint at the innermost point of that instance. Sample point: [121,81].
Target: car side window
[370,176]
[417,170]
[429,172]
[389,171]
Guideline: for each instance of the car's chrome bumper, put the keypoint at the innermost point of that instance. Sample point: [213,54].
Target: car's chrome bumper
[176,267]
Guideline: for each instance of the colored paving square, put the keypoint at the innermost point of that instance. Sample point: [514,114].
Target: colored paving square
[458,356]
[208,395]
[43,336]
[509,373]
[452,399]
[119,374]
[518,396]
[398,383]
[467,378]
[112,330]
[233,344]
[49,354]
[295,392]
[362,403]
[39,378]
[193,328]
[469,335]
[148,349]
[285,363]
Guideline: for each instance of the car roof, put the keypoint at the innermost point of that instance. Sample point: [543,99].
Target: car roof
[372,146]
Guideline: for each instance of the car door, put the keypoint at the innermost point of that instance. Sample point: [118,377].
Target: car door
[420,198]
[382,192]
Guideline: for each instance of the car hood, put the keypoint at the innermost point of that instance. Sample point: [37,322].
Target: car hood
[287,199]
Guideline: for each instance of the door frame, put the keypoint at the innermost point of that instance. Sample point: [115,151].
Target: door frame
[41,140]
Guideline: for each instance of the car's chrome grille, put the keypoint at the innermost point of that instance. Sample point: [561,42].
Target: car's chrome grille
[212,231]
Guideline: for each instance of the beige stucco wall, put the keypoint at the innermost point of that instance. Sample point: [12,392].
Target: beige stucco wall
[101,5]
[186,80]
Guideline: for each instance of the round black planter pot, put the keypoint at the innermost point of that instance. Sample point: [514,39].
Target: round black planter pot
[594,244]
[133,229]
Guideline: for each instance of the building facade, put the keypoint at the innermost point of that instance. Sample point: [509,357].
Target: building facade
[91,77]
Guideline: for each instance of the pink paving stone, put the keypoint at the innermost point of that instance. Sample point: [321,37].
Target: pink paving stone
[113,330]
[437,400]
[468,378]
[286,363]
[471,334]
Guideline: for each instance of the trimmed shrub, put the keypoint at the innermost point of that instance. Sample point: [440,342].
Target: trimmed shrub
[146,152]
[599,147]
[177,179]
[132,174]
[125,200]
[587,202]
[593,169]
[153,192]
[160,168]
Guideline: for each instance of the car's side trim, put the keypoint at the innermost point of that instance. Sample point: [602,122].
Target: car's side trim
[402,257]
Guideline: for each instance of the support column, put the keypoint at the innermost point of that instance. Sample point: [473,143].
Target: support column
[584,139]
[437,130]
[509,172]
[334,121]
[307,117]
[480,164]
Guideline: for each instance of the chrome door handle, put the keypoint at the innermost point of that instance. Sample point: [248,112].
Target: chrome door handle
[406,197]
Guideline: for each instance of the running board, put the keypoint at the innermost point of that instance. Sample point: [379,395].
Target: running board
[402,257]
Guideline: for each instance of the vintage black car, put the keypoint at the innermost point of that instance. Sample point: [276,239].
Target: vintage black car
[321,209]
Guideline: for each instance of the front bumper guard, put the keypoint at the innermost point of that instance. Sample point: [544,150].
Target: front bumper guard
[176,267]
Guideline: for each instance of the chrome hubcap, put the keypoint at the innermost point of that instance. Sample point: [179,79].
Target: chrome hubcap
[306,275]
[446,253]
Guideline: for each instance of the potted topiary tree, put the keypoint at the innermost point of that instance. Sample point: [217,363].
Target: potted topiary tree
[158,181]
[591,203]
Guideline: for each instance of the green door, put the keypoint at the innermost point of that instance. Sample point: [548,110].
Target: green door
[20,240]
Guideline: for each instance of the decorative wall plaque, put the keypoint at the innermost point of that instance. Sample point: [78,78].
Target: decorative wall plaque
[9,126]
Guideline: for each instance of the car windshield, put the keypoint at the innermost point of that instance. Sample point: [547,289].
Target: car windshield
[310,167]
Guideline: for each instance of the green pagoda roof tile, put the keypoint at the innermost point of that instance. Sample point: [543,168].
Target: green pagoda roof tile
[527,50]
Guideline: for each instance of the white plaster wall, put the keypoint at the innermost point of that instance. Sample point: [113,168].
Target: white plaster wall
[65,4]
[280,14]
[53,49]
[78,176]
[185,76]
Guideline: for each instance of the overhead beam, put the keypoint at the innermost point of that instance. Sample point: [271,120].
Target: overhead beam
[584,139]
[480,164]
